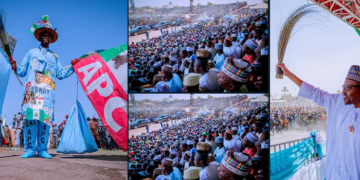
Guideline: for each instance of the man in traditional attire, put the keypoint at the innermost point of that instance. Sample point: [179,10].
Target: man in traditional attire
[209,170]
[172,79]
[343,123]
[230,143]
[219,59]
[209,79]
[220,150]
[40,66]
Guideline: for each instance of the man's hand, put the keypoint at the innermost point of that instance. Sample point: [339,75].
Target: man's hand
[13,64]
[73,62]
[285,70]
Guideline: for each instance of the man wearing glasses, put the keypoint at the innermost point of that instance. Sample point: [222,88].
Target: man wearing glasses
[343,123]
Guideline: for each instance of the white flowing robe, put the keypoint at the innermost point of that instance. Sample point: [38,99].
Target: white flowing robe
[342,148]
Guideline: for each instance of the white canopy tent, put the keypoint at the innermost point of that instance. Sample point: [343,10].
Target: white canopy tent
[260,6]
[260,99]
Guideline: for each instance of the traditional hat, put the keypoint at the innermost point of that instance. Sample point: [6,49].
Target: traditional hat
[202,53]
[157,64]
[203,40]
[251,44]
[233,35]
[173,59]
[188,60]
[219,46]
[237,69]
[219,139]
[45,26]
[157,77]
[167,161]
[192,172]
[228,38]
[167,68]
[234,128]
[189,49]
[202,146]
[162,87]
[238,163]
[189,142]
[158,171]
[354,73]
[173,152]
[252,137]
[191,79]
[228,131]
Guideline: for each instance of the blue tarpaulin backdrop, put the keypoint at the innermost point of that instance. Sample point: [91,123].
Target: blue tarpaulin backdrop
[77,137]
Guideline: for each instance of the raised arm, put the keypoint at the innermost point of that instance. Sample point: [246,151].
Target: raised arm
[64,73]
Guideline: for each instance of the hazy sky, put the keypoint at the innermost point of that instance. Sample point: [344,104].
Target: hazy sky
[160,3]
[319,55]
[185,96]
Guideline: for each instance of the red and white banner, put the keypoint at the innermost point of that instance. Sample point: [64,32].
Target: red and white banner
[107,96]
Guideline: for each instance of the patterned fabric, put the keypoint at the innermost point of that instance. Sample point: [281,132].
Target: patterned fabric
[354,73]
[236,73]
[241,168]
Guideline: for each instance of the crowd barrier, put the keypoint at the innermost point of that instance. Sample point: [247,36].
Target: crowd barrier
[290,157]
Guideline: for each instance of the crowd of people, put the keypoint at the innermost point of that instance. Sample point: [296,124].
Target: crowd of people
[14,135]
[299,117]
[204,57]
[216,146]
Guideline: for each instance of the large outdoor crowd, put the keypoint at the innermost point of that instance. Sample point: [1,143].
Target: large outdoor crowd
[216,146]
[215,56]
[14,134]
[303,117]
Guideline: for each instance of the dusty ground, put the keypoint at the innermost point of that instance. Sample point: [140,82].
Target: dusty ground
[103,164]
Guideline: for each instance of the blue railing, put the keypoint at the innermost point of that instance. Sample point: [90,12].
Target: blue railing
[288,157]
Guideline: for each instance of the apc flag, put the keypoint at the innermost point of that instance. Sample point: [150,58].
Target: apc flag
[104,79]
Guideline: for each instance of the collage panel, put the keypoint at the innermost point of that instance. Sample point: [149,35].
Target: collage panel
[315,90]
[210,47]
[198,136]
[63,89]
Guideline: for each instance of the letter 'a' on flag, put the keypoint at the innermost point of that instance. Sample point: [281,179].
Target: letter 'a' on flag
[103,76]
[5,69]
[77,137]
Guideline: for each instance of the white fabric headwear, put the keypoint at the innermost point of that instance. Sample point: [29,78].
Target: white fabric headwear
[251,44]
[252,137]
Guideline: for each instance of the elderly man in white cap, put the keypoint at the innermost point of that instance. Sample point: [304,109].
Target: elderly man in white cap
[191,173]
[191,83]
[172,79]
[343,123]
[248,51]
[220,150]
[249,144]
